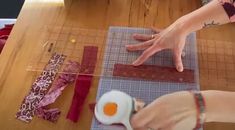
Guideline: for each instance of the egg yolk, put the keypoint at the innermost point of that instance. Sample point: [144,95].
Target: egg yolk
[110,109]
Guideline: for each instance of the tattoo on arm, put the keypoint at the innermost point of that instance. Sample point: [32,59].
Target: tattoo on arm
[213,23]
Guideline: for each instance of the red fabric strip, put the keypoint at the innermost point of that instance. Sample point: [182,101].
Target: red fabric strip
[89,60]
[81,91]
[2,43]
[83,82]
[154,72]
[6,30]
[9,25]
[4,33]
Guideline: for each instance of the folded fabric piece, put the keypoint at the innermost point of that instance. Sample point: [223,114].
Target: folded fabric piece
[83,82]
[154,72]
[50,115]
[4,33]
[2,43]
[40,88]
[6,30]
[4,37]
[64,79]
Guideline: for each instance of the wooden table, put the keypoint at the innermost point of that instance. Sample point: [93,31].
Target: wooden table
[15,81]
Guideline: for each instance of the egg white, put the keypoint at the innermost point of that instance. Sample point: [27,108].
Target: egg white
[124,107]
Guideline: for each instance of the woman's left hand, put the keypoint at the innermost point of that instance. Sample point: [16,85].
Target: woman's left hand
[172,38]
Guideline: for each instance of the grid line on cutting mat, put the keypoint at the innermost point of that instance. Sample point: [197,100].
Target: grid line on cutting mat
[61,37]
[217,64]
[115,52]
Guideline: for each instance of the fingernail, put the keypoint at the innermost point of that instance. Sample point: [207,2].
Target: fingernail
[134,35]
[128,47]
[135,63]
[183,54]
[180,68]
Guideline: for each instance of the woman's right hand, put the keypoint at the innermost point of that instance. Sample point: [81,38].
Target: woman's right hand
[175,111]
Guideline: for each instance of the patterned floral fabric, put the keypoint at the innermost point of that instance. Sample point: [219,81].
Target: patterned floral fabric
[229,7]
[64,79]
[39,88]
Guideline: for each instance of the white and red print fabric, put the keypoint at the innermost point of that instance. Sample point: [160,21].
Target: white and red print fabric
[64,79]
[40,88]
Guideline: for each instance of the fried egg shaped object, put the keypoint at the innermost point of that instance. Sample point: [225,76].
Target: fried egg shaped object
[115,107]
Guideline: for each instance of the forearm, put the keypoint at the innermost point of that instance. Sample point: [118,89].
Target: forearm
[206,16]
[220,106]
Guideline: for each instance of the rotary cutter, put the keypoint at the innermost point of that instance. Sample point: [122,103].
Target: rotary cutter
[116,107]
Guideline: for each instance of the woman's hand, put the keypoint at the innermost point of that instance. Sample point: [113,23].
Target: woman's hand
[172,38]
[176,111]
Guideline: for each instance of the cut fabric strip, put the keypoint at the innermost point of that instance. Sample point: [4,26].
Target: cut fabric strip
[82,87]
[83,82]
[68,76]
[153,72]
[39,88]
[50,115]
